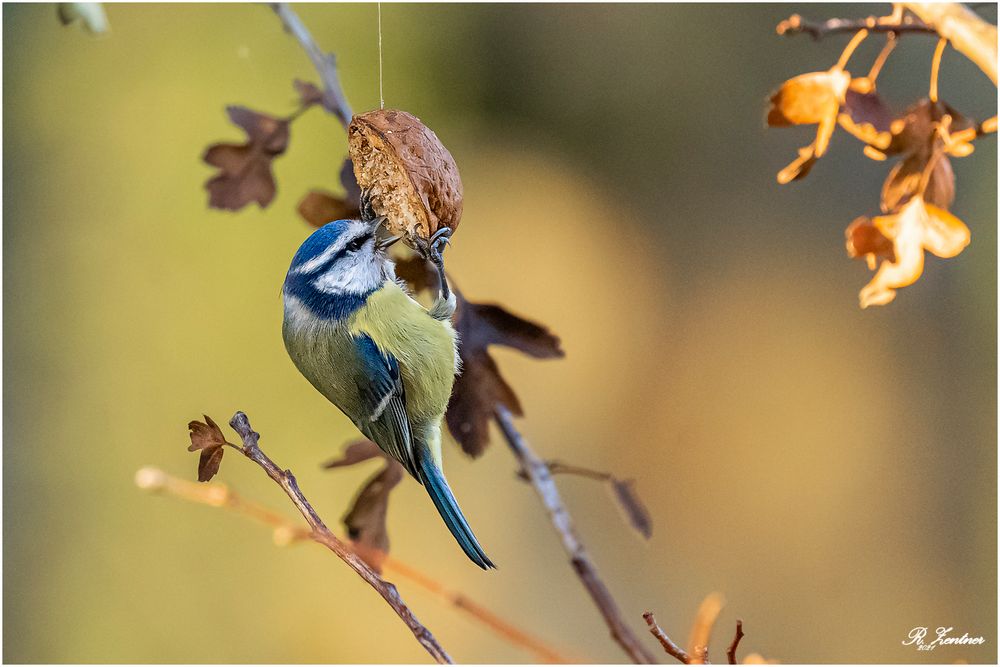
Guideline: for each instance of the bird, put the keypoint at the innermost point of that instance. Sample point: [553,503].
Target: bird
[377,354]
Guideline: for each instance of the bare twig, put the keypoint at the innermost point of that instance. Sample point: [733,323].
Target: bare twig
[735,644]
[668,644]
[323,535]
[795,25]
[286,532]
[334,99]
[541,479]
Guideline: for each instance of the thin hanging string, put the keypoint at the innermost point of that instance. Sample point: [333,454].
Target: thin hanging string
[381,98]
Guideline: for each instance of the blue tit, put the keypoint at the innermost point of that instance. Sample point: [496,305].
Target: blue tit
[378,355]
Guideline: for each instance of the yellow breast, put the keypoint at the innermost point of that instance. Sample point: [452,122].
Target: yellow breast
[424,347]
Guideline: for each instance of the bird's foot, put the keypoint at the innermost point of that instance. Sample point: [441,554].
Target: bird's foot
[368,213]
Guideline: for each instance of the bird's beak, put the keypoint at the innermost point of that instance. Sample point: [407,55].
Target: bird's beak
[386,242]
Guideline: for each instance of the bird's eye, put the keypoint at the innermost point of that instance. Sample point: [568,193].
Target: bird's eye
[357,243]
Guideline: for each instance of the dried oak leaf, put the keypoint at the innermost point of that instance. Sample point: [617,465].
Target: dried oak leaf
[355,452]
[410,176]
[245,169]
[207,437]
[480,387]
[365,522]
[319,207]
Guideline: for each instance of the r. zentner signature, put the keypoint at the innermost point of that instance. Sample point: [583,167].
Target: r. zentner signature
[919,634]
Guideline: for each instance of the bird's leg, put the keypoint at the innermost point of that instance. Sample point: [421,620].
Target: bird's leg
[445,304]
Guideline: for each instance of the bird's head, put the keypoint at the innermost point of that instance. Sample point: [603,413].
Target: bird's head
[338,266]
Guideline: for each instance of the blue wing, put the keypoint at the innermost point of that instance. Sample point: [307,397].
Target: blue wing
[383,399]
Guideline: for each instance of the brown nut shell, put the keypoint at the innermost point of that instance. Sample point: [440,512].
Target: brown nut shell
[411,177]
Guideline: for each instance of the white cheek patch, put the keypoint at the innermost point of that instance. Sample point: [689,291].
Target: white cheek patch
[355,274]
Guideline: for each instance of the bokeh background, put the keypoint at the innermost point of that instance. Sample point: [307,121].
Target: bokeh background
[832,471]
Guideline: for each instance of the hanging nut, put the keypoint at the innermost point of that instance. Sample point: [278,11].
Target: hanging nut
[410,176]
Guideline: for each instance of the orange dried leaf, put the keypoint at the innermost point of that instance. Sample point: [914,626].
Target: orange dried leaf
[916,227]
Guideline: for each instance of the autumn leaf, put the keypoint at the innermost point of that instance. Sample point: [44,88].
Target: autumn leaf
[319,207]
[355,452]
[917,227]
[245,169]
[865,115]
[309,93]
[365,522]
[207,437]
[480,387]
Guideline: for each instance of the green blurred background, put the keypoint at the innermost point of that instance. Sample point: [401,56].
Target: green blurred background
[831,470]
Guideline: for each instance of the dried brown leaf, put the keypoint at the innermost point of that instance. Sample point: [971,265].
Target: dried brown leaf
[245,169]
[418,273]
[309,93]
[477,392]
[355,452]
[209,462]
[635,511]
[365,522]
[865,115]
[318,208]
[866,240]
[205,435]
[903,182]
[480,387]
[914,131]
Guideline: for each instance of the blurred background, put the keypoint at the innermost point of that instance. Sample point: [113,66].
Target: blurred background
[832,471]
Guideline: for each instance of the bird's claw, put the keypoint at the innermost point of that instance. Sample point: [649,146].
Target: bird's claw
[368,213]
[436,245]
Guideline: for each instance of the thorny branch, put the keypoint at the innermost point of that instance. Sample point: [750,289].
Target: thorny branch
[334,99]
[286,532]
[541,479]
[323,535]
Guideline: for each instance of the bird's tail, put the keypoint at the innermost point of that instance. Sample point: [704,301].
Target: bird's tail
[432,479]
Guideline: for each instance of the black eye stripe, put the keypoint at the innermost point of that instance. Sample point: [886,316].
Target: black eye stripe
[325,266]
